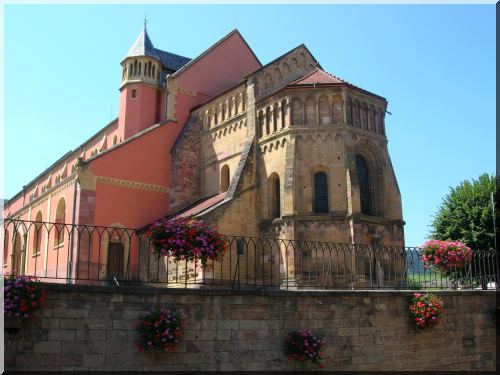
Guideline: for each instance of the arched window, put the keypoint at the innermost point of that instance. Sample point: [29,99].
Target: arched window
[320,192]
[274,196]
[37,235]
[140,65]
[115,139]
[223,112]
[296,111]
[216,119]
[310,112]
[135,67]
[6,247]
[364,185]
[324,111]
[224,178]
[60,219]
[130,71]
[154,71]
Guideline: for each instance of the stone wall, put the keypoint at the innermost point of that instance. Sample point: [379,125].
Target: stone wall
[90,328]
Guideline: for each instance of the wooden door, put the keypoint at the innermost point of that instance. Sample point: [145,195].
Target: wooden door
[115,260]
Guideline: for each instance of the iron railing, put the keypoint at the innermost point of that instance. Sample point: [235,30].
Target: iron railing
[87,254]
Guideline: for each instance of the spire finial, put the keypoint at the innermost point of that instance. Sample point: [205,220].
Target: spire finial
[145,20]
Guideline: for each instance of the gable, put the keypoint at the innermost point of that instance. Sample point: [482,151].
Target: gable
[223,65]
[282,71]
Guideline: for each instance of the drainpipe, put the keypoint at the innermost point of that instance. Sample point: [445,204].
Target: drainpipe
[71,242]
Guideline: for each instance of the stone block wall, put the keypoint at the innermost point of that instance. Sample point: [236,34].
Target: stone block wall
[92,328]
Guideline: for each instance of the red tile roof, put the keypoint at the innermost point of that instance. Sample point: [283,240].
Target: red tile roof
[317,76]
[199,206]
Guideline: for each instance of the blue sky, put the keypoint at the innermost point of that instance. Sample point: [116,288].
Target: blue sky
[435,64]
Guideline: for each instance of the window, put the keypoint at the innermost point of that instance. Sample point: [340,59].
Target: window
[224,178]
[134,93]
[37,235]
[115,139]
[60,220]
[274,196]
[364,187]
[320,192]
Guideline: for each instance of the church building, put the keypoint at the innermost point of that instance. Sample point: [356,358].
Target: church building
[283,150]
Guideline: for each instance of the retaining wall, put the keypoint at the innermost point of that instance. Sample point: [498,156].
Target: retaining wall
[92,328]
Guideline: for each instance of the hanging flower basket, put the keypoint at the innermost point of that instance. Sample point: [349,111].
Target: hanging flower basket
[187,239]
[425,309]
[305,345]
[22,297]
[445,256]
[160,329]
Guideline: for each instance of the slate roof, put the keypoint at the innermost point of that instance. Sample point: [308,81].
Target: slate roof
[144,47]
[171,61]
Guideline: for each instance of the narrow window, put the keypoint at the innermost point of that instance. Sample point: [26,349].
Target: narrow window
[274,196]
[134,93]
[320,192]
[115,140]
[224,178]
[364,187]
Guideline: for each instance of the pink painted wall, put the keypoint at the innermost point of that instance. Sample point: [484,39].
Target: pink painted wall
[139,113]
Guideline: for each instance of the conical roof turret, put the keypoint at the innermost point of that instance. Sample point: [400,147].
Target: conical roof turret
[143,46]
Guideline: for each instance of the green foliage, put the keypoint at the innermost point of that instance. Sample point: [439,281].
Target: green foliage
[466,214]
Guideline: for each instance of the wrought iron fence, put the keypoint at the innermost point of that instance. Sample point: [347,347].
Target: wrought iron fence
[87,254]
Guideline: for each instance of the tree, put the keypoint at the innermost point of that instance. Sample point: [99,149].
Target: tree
[466,214]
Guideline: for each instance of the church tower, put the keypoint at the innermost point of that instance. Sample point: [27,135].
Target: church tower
[140,87]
